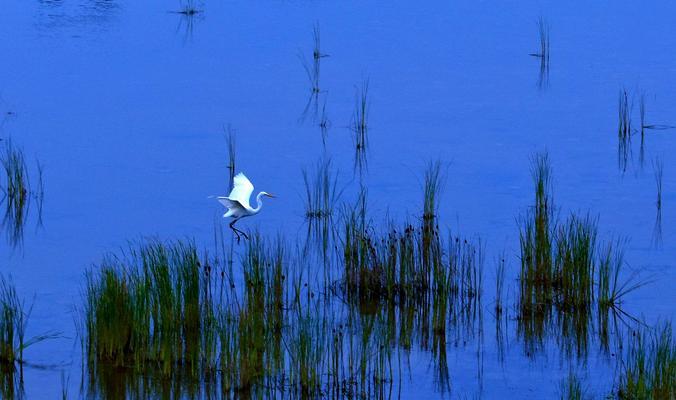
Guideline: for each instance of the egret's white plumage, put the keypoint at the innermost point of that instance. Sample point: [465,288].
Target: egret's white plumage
[237,202]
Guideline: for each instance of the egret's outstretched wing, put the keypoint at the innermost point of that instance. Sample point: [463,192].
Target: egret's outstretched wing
[234,206]
[241,190]
[228,203]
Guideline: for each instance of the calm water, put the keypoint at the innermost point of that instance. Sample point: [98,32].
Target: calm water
[125,104]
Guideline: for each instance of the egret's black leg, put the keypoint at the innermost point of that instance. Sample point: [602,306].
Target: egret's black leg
[235,229]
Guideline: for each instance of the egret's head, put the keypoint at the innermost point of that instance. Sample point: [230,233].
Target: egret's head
[268,194]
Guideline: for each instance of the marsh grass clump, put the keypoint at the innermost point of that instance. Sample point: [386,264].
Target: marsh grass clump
[12,324]
[536,241]
[610,263]
[649,365]
[321,190]
[574,263]
[250,328]
[432,187]
[557,259]
[18,192]
[14,317]
[148,309]
[610,290]
[16,188]
[408,264]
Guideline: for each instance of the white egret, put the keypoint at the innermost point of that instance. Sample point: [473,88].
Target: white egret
[237,202]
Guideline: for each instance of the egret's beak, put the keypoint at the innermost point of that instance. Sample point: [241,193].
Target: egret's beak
[271,195]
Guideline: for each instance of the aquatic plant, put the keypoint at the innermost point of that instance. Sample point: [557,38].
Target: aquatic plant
[543,54]
[610,290]
[359,124]
[230,140]
[641,109]
[624,115]
[317,50]
[537,229]
[658,171]
[148,309]
[312,72]
[14,317]
[16,192]
[324,122]
[571,388]
[543,35]
[432,187]
[574,263]
[499,286]
[321,190]
[649,365]
[188,8]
